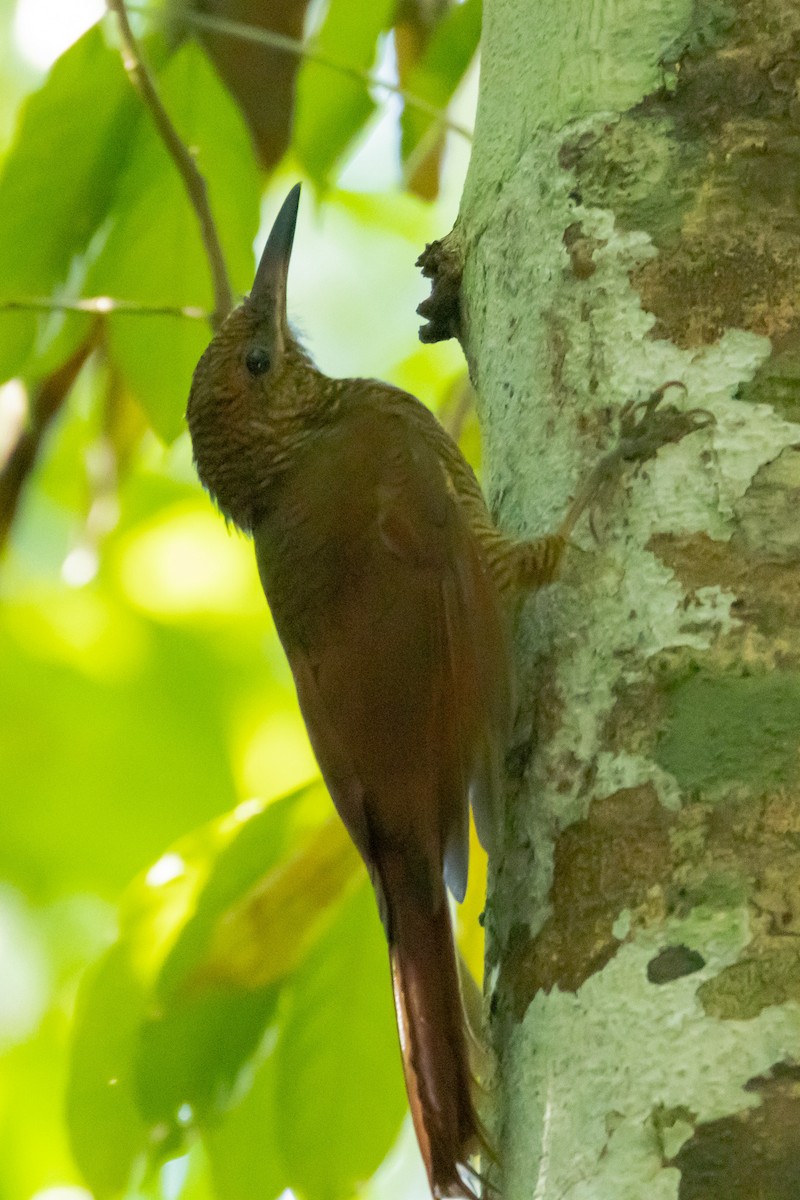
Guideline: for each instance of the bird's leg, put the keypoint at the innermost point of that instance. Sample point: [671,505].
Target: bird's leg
[644,429]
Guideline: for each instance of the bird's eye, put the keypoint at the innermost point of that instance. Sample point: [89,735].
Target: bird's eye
[257,361]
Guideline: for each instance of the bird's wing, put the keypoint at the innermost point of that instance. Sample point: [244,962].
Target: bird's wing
[394,632]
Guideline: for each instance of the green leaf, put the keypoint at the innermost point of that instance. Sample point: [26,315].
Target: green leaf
[202,1029]
[154,253]
[33,1145]
[243,1153]
[440,70]
[156,1047]
[332,107]
[248,945]
[143,756]
[107,1133]
[58,178]
[338,1074]
[189,1056]
[59,336]
[243,849]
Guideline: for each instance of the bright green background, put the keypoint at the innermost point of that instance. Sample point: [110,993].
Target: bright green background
[233,1034]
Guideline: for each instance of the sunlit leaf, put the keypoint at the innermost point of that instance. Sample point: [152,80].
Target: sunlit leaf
[186,563]
[58,179]
[440,70]
[468,915]
[188,1057]
[159,1042]
[154,254]
[339,1080]
[331,106]
[261,77]
[243,1151]
[266,934]
[142,756]
[57,338]
[198,1032]
[33,1145]
[107,1133]
[189,1176]
[235,853]
[214,998]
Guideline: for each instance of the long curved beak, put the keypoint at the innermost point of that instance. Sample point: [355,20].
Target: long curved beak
[268,294]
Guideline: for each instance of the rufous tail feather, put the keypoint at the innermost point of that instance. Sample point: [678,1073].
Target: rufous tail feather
[433,1038]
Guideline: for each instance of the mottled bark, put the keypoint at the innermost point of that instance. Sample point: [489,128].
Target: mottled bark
[631,217]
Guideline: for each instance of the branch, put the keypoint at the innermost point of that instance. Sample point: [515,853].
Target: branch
[289,45]
[102,305]
[46,403]
[193,180]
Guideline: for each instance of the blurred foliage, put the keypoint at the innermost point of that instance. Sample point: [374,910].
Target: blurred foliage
[222,1025]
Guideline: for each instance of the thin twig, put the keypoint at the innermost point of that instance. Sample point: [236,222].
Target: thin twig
[103,305]
[193,180]
[46,403]
[289,45]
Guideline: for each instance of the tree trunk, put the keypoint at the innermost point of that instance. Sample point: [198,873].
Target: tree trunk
[630,217]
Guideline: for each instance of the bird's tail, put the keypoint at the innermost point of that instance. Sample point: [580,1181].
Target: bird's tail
[433,1039]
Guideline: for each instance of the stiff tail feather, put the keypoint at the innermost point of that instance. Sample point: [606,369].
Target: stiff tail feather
[433,1041]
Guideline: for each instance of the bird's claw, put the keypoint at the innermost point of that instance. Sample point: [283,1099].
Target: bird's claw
[648,425]
[644,427]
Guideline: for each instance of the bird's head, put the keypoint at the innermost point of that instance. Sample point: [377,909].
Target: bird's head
[255,387]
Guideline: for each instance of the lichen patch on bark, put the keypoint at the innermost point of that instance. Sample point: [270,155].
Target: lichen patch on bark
[720,144]
[673,962]
[742,990]
[732,727]
[777,382]
[724,276]
[610,861]
[633,856]
[752,1154]
[581,250]
[729,714]
[730,736]
[709,716]
[731,739]
[767,594]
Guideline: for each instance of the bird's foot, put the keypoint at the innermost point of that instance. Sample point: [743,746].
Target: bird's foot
[645,426]
[648,425]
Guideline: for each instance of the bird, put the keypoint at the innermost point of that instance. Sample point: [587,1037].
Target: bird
[390,587]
